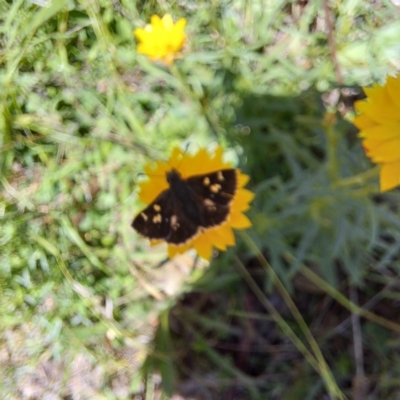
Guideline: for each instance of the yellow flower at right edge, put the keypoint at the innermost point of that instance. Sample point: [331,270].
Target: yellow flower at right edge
[161,40]
[379,124]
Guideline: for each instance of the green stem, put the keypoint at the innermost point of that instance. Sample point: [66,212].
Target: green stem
[276,316]
[323,368]
[344,301]
[176,73]
[332,163]
[360,179]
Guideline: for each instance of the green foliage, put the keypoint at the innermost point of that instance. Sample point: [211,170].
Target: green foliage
[81,113]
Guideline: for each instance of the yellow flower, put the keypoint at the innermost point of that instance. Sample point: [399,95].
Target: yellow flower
[379,124]
[162,39]
[201,163]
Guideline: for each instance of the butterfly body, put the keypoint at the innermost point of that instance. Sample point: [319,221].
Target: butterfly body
[188,207]
[183,196]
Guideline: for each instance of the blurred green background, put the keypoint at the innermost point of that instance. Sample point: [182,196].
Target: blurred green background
[89,310]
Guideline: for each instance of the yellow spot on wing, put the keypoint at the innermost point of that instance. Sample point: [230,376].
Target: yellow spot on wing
[157,219]
[174,222]
[206,181]
[157,207]
[209,204]
[215,188]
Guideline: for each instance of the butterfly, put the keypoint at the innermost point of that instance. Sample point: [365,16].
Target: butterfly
[189,206]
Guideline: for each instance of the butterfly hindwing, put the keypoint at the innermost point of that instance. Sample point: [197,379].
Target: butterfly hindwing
[150,222]
[182,229]
[163,219]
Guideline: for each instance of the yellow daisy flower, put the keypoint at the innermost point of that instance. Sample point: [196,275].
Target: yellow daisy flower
[202,166]
[379,124]
[162,39]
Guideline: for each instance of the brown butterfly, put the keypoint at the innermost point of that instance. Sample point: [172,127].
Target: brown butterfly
[189,206]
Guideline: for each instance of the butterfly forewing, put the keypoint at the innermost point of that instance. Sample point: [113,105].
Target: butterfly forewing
[214,193]
[219,186]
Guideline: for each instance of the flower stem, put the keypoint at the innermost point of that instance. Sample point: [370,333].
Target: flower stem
[332,141]
[360,179]
[319,360]
[185,87]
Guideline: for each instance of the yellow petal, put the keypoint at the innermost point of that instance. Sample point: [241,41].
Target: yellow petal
[243,179]
[213,238]
[393,88]
[386,152]
[390,176]
[374,91]
[180,24]
[173,250]
[239,221]
[142,49]
[228,235]
[387,131]
[140,34]
[176,158]
[202,163]
[167,22]
[155,21]
[379,106]
[192,164]
[242,199]
[222,236]
[155,168]
[370,145]
[362,122]
[149,190]
[203,248]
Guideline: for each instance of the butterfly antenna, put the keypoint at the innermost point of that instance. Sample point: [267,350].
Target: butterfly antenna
[196,260]
[144,174]
[161,263]
[186,150]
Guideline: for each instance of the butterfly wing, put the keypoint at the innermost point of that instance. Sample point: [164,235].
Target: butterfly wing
[163,219]
[213,193]
[150,222]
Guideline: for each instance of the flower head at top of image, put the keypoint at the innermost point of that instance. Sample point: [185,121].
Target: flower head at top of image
[161,40]
[194,201]
[379,122]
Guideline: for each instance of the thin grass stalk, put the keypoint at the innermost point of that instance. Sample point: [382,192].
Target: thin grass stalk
[323,367]
[276,316]
[343,300]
